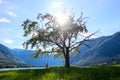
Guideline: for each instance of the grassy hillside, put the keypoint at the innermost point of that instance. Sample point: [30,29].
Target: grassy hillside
[91,73]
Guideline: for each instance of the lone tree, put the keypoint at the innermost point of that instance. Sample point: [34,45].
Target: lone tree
[59,34]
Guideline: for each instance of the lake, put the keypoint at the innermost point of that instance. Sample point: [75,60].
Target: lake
[7,69]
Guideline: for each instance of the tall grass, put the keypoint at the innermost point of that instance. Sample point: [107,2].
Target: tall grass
[61,73]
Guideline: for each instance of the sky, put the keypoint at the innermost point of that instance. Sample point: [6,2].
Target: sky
[103,15]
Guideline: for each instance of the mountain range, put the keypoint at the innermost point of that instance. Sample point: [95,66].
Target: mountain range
[42,60]
[104,50]
[7,59]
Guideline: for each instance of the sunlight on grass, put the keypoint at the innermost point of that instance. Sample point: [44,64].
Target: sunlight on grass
[61,73]
[49,76]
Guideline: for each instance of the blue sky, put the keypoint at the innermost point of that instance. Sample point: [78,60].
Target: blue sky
[103,15]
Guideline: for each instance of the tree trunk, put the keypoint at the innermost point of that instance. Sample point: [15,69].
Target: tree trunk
[67,59]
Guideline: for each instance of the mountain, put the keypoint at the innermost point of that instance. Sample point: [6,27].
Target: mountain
[42,60]
[7,59]
[104,50]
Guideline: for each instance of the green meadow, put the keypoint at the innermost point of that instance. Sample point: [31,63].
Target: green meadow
[61,73]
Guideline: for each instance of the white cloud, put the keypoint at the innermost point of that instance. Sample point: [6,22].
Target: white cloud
[88,34]
[11,14]
[1,1]
[8,41]
[56,5]
[4,20]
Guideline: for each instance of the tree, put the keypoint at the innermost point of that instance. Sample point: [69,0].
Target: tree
[60,34]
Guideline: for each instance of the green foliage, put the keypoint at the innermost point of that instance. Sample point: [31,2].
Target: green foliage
[61,73]
[53,37]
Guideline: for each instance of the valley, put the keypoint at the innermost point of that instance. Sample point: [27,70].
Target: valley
[104,50]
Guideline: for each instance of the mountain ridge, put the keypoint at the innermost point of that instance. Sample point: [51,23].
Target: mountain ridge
[103,53]
[104,50]
[7,59]
[42,60]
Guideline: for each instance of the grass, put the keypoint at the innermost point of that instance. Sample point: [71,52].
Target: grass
[61,73]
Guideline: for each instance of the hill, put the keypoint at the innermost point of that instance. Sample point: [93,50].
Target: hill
[104,50]
[7,59]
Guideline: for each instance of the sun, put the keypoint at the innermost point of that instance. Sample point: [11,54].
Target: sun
[61,18]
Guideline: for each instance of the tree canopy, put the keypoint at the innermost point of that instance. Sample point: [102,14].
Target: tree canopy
[57,34]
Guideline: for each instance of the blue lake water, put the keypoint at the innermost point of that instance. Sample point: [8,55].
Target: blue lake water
[8,69]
